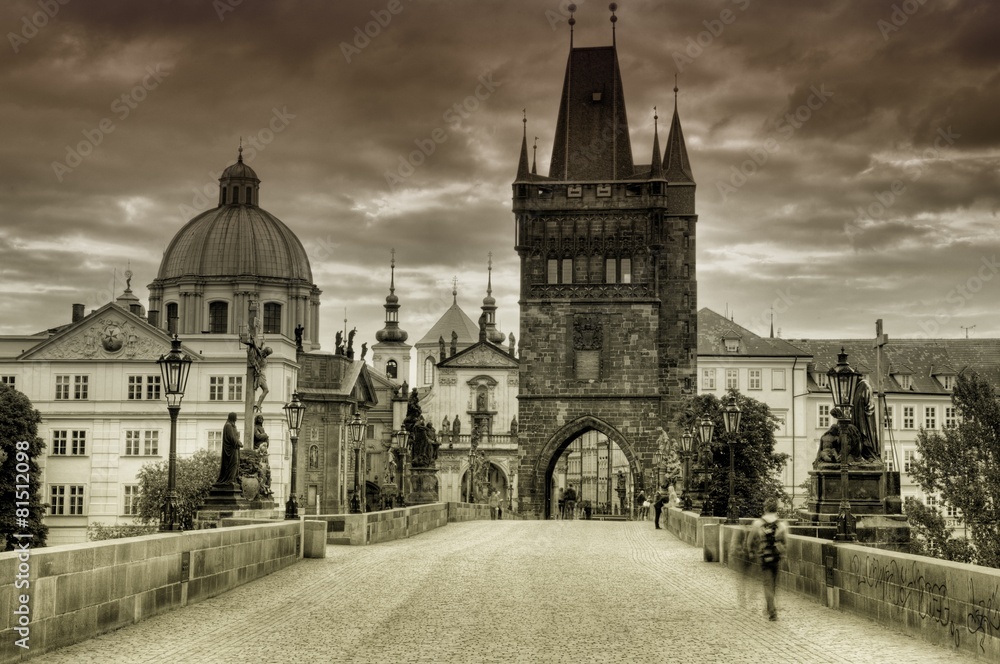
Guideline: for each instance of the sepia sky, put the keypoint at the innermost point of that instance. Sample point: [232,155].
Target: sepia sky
[846,153]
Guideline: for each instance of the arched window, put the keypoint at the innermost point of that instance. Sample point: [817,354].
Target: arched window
[223,195]
[172,318]
[249,195]
[236,194]
[272,318]
[428,370]
[552,274]
[218,317]
[391,369]
[567,271]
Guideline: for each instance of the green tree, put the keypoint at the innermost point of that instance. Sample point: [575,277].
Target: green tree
[961,464]
[932,537]
[195,476]
[20,447]
[757,465]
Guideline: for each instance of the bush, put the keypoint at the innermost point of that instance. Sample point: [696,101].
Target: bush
[195,477]
[98,532]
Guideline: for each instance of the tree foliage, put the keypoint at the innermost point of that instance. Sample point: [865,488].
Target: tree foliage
[195,476]
[98,532]
[932,537]
[961,464]
[756,463]
[20,447]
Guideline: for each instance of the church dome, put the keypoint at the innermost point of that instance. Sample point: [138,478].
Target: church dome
[239,170]
[235,240]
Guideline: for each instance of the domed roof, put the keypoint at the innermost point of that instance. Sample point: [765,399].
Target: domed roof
[236,240]
[239,170]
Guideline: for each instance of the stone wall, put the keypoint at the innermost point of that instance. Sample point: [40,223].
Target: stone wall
[77,591]
[948,604]
[388,525]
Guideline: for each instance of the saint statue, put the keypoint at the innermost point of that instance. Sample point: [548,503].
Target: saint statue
[260,436]
[230,466]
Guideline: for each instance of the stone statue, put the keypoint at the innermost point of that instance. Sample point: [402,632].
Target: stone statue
[456,427]
[230,466]
[513,426]
[863,417]
[339,348]
[445,426]
[299,330]
[313,457]
[364,350]
[257,357]
[259,435]
[432,441]
[390,469]
[482,326]
[441,348]
[510,344]
[350,342]
[454,342]
[264,470]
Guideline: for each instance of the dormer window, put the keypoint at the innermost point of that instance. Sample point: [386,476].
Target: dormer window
[821,379]
[905,381]
[947,381]
[732,345]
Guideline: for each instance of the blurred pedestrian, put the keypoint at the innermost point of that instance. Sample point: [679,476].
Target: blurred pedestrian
[658,507]
[494,503]
[767,539]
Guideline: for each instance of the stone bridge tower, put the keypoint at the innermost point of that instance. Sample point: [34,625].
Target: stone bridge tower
[608,292]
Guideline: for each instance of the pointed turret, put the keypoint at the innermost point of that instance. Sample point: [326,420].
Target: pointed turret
[391,333]
[522,164]
[676,166]
[391,353]
[656,165]
[488,327]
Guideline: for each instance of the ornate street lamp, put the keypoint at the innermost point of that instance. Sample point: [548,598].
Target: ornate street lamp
[731,417]
[174,367]
[687,441]
[843,383]
[400,439]
[357,428]
[706,430]
[294,410]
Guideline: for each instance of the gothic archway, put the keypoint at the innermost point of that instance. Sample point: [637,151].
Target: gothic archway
[491,478]
[596,478]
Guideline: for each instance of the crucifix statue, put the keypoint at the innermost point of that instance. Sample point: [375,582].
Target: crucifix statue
[257,354]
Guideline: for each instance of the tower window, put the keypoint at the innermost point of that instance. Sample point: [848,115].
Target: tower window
[391,369]
[223,195]
[611,271]
[553,271]
[567,270]
[249,195]
[172,317]
[218,317]
[236,194]
[626,265]
[428,371]
[272,318]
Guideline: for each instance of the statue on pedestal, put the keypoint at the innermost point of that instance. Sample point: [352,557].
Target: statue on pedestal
[230,466]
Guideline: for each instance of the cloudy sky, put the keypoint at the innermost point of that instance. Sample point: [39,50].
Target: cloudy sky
[846,153]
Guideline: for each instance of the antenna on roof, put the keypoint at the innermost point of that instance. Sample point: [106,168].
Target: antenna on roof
[967,328]
[614,19]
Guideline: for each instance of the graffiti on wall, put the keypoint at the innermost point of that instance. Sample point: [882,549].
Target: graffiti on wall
[904,585]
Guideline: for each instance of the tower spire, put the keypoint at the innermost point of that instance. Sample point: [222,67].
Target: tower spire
[656,165]
[392,272]
[572,22]
[614,19]
[534,156]
[454,290]
[391,333]
[522,162]
[488,321]
[676,166]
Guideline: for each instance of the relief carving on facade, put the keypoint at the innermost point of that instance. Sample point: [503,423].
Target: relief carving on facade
[107,338]
[587,333]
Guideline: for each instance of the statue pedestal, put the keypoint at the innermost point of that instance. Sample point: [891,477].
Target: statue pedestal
[225,498]
[423,486]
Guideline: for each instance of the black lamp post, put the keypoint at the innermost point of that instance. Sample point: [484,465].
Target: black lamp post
[687,440]
[706,429]
[731,416]
[400,439]
[357,429]
[657,463]
[843,383]
[294,410]
[175,367]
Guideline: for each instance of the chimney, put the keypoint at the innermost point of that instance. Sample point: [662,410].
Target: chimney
[78,314]
[153,316]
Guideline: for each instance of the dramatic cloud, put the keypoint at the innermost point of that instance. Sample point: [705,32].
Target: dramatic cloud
[846,152]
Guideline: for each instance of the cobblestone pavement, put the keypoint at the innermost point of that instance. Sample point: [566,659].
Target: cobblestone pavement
[506,591]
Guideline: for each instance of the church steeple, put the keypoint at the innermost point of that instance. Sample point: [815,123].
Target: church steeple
[239,184]
[391,333]
[522,164]
[676,166]
[656,166]
[490,309]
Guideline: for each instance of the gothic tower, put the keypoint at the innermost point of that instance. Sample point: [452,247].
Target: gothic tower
[608,289]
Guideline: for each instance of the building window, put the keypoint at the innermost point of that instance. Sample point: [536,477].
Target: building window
[9,380]
[59,439]
[930,417]
[950,417]
[753,379]
[626,265]
[218,317]
[909,456]
[567,271]
[215,442]
[136,391]
[236,194]
[216,387]
[391,369]
[889,417]
[948,382]
[81,387]
[782,424]
[777,379]
[66,499]
[272,318]
[708,379]
[249,198]
[78,443]
[235,388]
[823,416]
[62,388]
[951,511]
[905,381]
[172,317]
[553,271]
[821,379]
[909,417]
[428,371]
[932,502]
[890,464]
[732,344]
[132,442]
[151,443]
[610,271]
[732,379]
[131,493]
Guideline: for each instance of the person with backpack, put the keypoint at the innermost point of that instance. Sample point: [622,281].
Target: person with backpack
[766,541]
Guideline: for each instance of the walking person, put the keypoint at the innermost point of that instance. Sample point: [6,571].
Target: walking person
[767,538]
[499,506]
[658,507]
[642,505]
[494,503]
[570,498]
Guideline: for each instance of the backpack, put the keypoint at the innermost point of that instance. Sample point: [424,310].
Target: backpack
[769,554]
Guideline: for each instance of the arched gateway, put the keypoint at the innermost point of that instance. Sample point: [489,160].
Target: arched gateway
[608,292]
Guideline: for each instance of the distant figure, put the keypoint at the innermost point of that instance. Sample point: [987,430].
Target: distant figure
[299,330]
[364,350]
[494,503]
[339,347]
[767,542]
[350,342]
[570,497]
[642,505]
[658,501]
[230,466]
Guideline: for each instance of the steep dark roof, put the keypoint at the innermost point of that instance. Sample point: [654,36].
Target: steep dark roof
[592,139]
[676,166]
[923,359]
[713,328]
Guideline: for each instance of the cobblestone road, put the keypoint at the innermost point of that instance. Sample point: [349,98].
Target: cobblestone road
[507,591]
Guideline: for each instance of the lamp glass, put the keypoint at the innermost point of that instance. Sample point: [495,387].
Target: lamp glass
[686,440]
[294,411]
[357,427]
[706,428]
[731,416]
[175,367]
